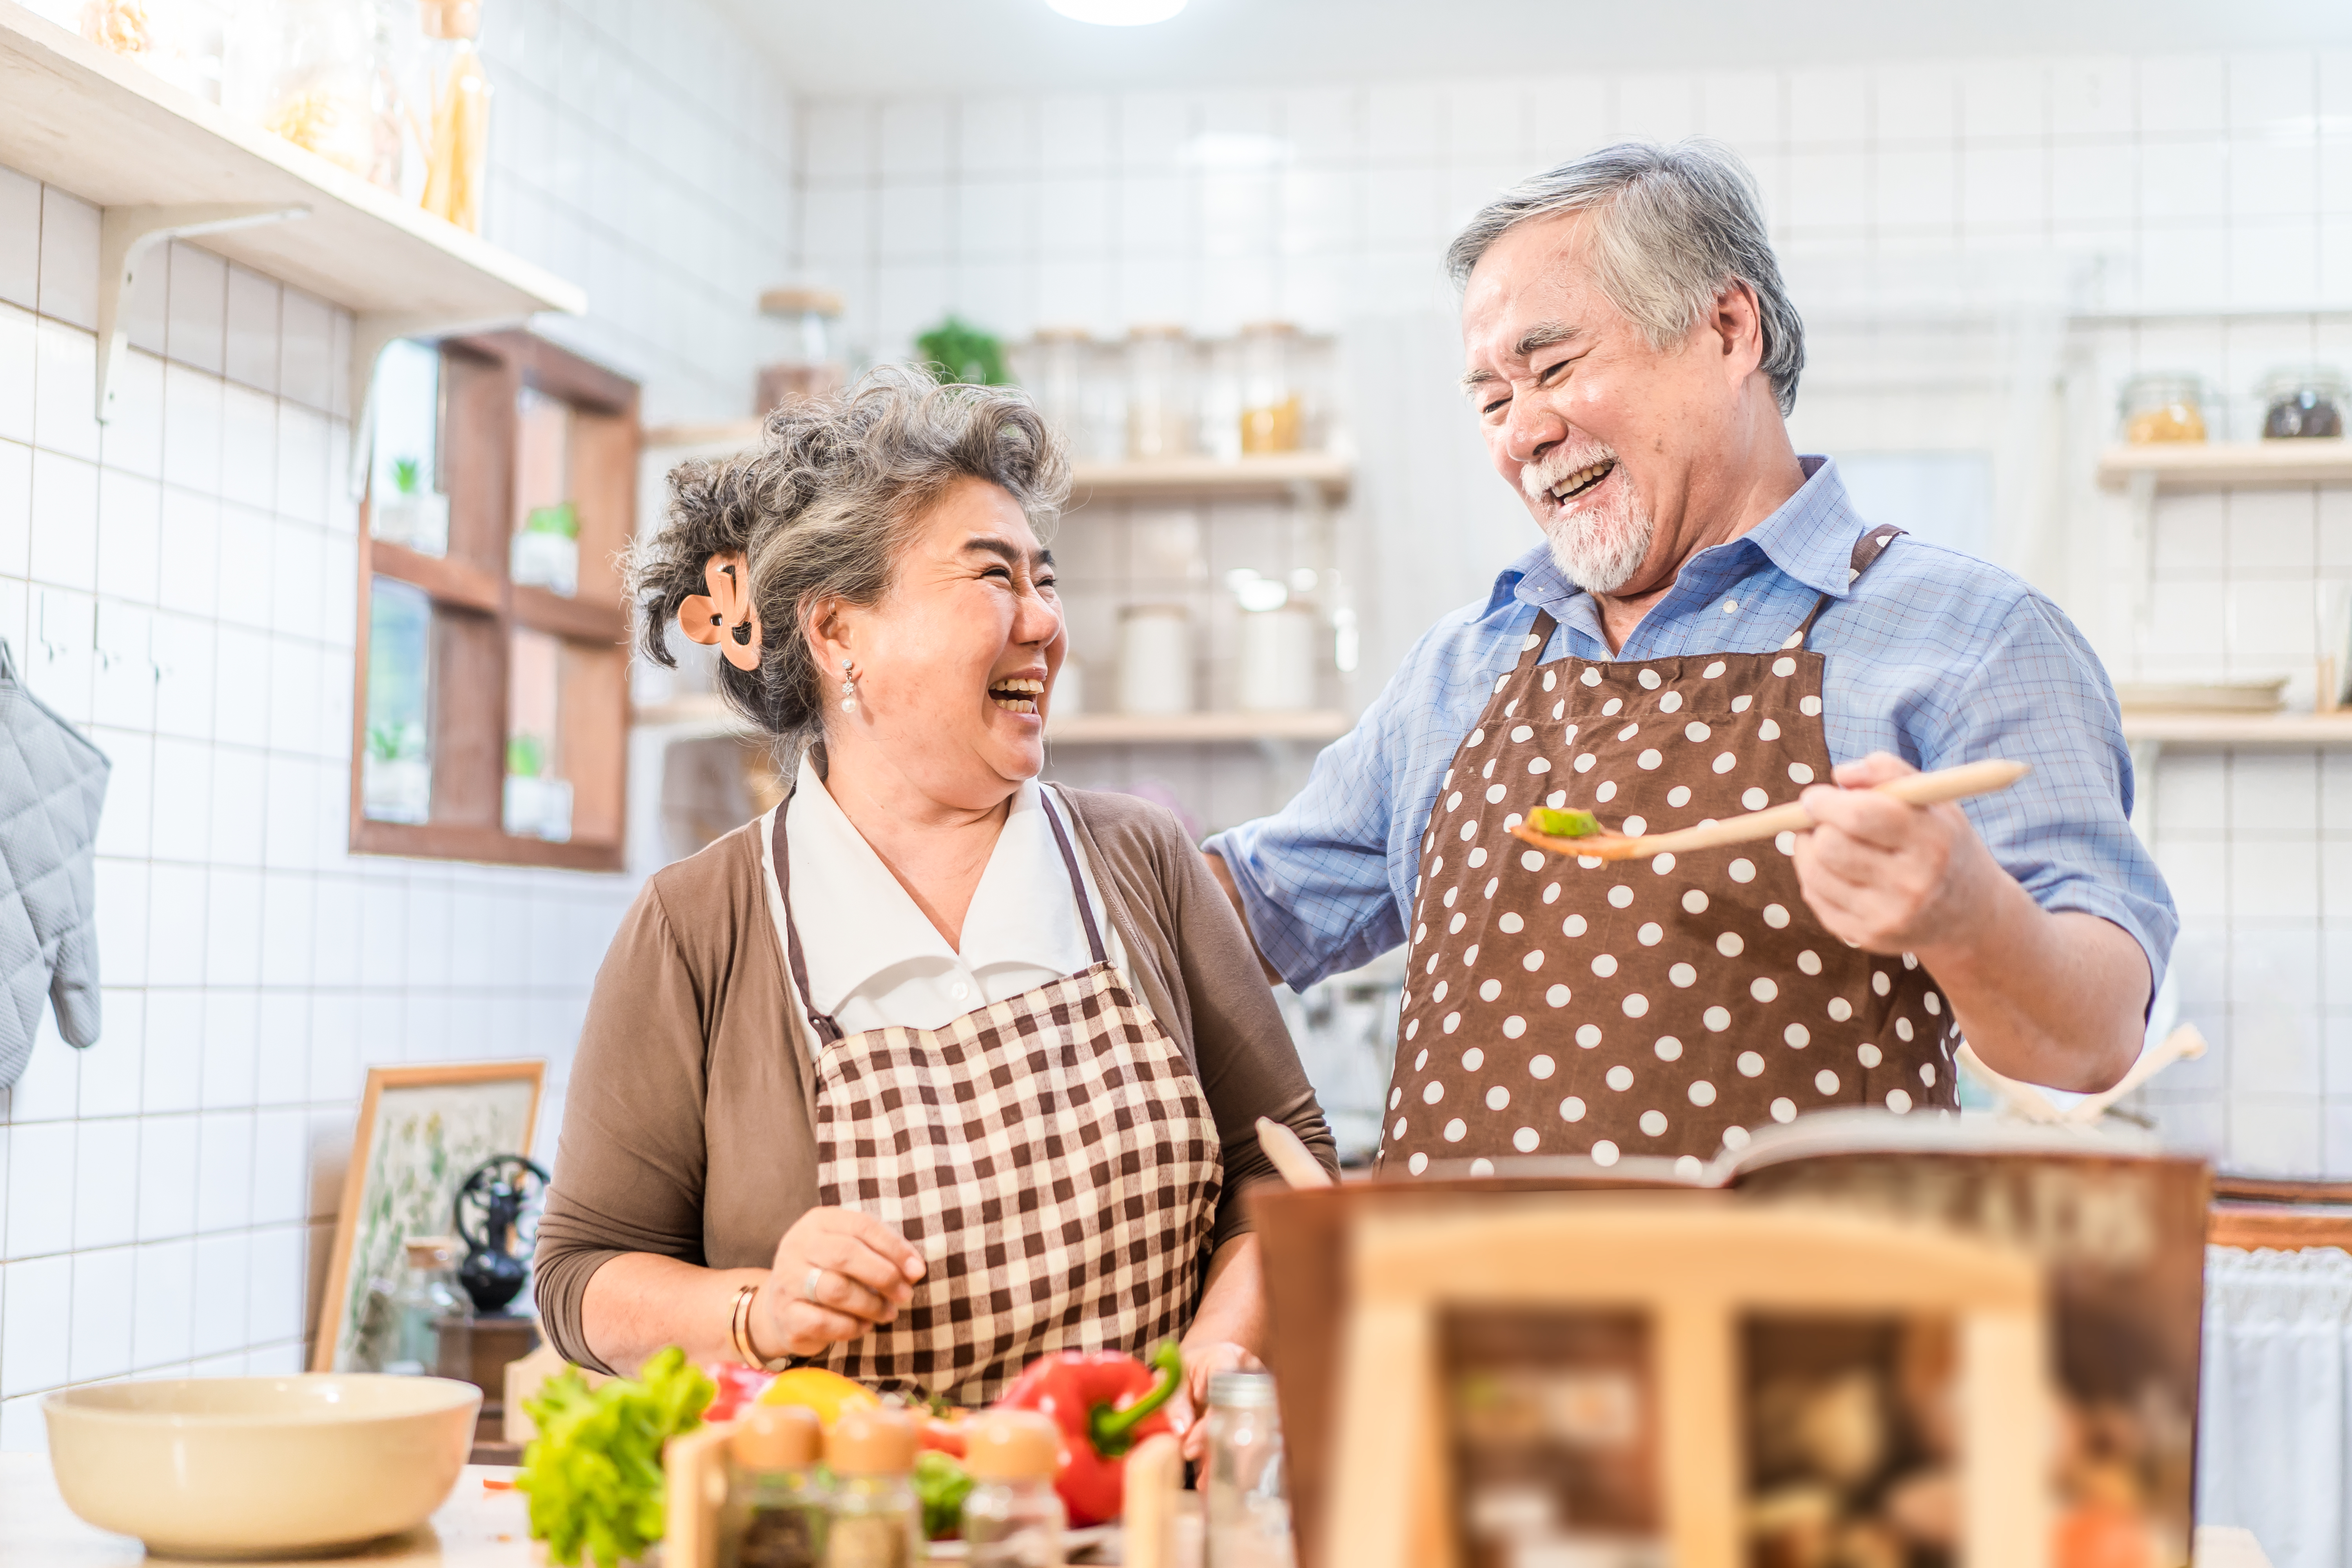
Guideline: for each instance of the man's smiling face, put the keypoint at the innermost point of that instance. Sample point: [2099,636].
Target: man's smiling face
[1598,432]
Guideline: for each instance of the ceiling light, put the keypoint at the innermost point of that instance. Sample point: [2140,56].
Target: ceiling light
[1118,13]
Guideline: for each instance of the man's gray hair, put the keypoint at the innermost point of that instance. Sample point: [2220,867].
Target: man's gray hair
[1672,228]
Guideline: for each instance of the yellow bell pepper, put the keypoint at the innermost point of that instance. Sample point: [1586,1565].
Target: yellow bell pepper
[814,1388]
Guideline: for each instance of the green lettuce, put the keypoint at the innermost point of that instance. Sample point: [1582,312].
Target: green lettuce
[595,1473]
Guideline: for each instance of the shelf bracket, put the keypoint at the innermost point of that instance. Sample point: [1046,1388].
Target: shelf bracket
[126,235]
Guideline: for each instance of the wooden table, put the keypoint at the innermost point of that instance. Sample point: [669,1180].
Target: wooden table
[477,1528]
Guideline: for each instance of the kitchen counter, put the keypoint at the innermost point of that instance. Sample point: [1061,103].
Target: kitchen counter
[477,1528]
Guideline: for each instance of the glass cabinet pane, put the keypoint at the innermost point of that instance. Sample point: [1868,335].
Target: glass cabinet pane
[538,797]
[545,552]
[407,503]
[396,769]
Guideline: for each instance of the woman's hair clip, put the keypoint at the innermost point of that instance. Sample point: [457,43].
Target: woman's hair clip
[727,607]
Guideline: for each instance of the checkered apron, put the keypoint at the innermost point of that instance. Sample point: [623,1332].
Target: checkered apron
[1051,1155]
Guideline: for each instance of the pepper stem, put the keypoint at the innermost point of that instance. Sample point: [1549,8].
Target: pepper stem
[1112,1432]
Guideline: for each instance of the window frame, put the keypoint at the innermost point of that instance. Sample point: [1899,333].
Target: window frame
[482,377]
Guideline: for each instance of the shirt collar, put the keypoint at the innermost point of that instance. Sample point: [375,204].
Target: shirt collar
[1809,537]
[1021,912]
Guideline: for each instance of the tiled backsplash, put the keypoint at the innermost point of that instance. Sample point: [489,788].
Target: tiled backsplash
[180,583]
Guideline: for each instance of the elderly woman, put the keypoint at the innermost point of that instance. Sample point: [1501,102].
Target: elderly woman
[932,1069]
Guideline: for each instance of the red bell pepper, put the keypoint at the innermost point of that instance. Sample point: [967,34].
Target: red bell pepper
[739,1387]
[1105,1402]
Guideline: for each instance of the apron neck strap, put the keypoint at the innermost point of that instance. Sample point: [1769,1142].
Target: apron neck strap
[1070,862]
[1539,638]
[1866,548]
[780,850]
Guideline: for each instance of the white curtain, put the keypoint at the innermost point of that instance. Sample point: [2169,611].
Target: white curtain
[2274,1413]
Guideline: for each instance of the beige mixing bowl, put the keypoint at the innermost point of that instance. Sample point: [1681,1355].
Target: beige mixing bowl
[230,1466]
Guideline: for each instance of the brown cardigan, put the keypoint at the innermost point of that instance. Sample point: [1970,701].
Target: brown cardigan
[687,1122]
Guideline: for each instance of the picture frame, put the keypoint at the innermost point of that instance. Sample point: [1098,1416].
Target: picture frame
[421,1130]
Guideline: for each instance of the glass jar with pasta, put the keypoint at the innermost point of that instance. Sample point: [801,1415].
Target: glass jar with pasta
[2163,405]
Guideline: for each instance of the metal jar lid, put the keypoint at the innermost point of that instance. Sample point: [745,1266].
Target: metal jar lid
[1242,1390]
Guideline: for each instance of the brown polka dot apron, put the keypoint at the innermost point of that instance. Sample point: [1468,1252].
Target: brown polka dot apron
[1051,1155]
[1660,1007]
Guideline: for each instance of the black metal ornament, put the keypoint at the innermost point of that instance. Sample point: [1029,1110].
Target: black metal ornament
[496,1198]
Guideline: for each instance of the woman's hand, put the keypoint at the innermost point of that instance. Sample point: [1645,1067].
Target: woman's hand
[1203,1361]
[837,1274]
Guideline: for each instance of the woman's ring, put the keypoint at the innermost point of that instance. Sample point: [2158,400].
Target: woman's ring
[808,1283]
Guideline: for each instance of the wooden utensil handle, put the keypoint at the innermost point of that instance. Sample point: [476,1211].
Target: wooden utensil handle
[1953,784]
[1912,789]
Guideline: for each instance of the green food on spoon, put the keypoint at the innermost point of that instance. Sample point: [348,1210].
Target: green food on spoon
[1555,824]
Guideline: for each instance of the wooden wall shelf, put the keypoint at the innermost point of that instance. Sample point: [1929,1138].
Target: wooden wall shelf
[2250,730]
[1273,475]
[161,162]
[706,715]
[2227,465]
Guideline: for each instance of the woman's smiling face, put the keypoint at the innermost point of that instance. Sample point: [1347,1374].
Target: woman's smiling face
[955,666]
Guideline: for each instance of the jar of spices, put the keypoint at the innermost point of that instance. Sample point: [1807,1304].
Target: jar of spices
[1248,1499]
[1159,392]
[2163,405]
[1271,403]
[1013,1517]
[812,364]
[873,1518]
[776,1496]
[2303,403]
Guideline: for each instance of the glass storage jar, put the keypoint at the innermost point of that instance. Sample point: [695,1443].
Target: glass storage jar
[2303,403]
[1248,1497]
[1058,359]
[1271,402]
[304,69]
[457,155]
[1159,392]
[811,363]
[2163,405]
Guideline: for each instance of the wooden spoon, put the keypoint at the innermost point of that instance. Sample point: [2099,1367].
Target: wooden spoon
[1912,789]
[1292,1159]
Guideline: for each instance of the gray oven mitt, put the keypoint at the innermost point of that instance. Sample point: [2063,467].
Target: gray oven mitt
[52,783]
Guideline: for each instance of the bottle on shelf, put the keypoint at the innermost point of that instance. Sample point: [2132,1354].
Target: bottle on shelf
[458,156]
[1160,391]
[428,1293]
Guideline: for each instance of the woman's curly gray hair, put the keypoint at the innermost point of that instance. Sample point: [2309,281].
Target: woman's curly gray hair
[820,509]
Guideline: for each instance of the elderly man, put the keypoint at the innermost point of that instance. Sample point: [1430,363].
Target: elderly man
[1709,628]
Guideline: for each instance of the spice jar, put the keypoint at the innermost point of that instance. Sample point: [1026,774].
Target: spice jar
[2163,405]
[812,364]
[2303,403]
[875,1519]
[1248,1499]
[1271,403]
[775,1511]
[458,158]
[1013,1517]
[1159,392]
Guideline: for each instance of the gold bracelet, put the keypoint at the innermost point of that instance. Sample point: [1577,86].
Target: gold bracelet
[739,1328]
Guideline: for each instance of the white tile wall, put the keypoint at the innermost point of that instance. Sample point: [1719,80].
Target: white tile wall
[180,583]
[2191,184]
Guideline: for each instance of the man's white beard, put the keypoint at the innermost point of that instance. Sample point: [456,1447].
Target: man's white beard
[1598,549]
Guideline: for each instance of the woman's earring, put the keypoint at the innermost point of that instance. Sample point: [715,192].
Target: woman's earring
[848,689]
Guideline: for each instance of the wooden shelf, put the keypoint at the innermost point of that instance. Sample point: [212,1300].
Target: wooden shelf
[1273,474]
[708,715]
[161,162]
[2240,730]
[1195,728]
[2231,465]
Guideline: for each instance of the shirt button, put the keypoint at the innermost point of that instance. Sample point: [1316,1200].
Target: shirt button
[959,991]
[1730,607]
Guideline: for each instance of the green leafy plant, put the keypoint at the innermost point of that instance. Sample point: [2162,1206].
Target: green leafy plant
[525,756]
[559,519]
[404,473]
[942,1484]
[956,351]
[395,743]
[595,1473]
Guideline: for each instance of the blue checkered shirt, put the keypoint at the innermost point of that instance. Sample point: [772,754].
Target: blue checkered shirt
[1932,655]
